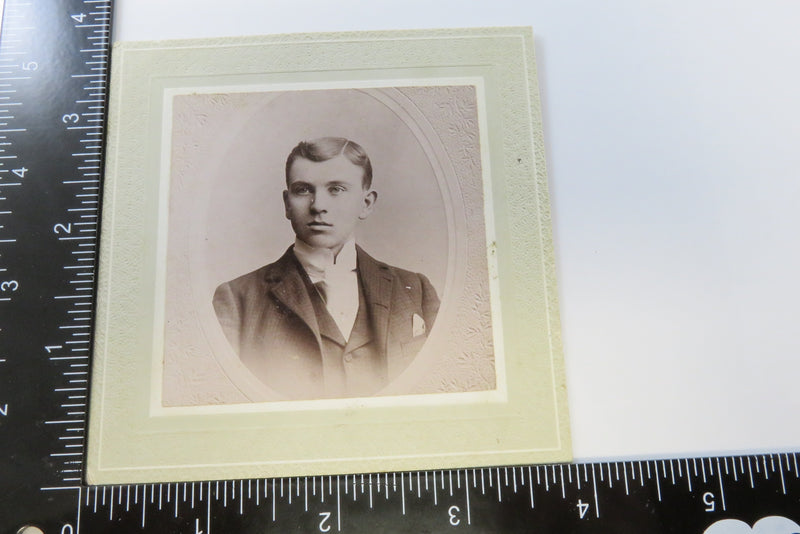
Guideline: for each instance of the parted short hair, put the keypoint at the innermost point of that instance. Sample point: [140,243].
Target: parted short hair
[325,148]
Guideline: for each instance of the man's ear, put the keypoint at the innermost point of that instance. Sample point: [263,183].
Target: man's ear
[286,203]
[370,197]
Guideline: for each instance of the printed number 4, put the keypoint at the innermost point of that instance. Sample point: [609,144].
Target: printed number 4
[582,508]
[79,18]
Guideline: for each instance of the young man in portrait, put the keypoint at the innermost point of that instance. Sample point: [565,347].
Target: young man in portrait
[327,320]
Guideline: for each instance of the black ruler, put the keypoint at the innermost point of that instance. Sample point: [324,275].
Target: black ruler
[675,496]
[716,495]
[53,63]
[54,60]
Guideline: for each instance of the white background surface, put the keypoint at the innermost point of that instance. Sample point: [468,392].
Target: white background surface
[673,151]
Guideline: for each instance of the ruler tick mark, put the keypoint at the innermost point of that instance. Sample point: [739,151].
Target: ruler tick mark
[530,485]
[721,489]
[596,500]
[625,473]
[658,483]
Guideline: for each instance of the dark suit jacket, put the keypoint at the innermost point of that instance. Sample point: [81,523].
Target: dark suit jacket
[269,319]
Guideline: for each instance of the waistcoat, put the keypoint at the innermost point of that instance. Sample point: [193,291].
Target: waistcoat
[352,367]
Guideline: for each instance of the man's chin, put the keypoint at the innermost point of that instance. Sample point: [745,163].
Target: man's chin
[321,242]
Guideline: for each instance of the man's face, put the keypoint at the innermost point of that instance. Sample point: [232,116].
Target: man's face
[325,200]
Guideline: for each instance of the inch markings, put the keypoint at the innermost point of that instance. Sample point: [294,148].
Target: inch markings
[50,176]
[53,85]
[644,496]
[82,119]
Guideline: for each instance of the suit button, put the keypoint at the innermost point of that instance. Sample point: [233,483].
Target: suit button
[348,358]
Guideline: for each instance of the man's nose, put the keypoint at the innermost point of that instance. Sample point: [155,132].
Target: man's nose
[319,202]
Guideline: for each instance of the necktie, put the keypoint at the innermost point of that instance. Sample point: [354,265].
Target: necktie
[322,290]
[340,297]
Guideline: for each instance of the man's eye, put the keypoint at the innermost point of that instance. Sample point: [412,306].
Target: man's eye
[301,190]
[337,189]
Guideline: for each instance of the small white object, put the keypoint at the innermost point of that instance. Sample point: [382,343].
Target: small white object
[417,325]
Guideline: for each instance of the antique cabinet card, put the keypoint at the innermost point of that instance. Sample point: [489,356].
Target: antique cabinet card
[324,254]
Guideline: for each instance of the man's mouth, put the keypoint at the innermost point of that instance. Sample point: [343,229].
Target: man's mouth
[319,224]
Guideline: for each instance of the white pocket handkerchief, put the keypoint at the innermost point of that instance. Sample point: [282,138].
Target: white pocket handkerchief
[417,325]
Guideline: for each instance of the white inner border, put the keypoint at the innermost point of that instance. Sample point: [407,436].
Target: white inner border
[498,395]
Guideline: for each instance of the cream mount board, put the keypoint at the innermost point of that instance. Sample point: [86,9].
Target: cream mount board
[216,357]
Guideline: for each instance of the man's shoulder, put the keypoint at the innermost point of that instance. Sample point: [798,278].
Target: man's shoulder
[260,277]
[410,293]
[369,265]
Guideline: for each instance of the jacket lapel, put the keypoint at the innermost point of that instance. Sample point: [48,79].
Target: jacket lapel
[361,333]
[286,283]
[377,283]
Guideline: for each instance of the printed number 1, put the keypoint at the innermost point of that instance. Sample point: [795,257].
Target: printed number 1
[582,508]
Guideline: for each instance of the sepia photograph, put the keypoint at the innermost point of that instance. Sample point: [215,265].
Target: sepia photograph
[336,233]
[325,254]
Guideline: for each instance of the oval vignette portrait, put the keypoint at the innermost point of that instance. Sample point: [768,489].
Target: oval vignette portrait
[308,282]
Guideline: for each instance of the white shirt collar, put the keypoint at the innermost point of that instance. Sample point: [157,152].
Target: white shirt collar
[320,264]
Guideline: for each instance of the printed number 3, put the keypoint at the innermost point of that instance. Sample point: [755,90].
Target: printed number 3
[9,285]
[452,511]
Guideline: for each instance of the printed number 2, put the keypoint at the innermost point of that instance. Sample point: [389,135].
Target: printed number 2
[582,508]
[322,526]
